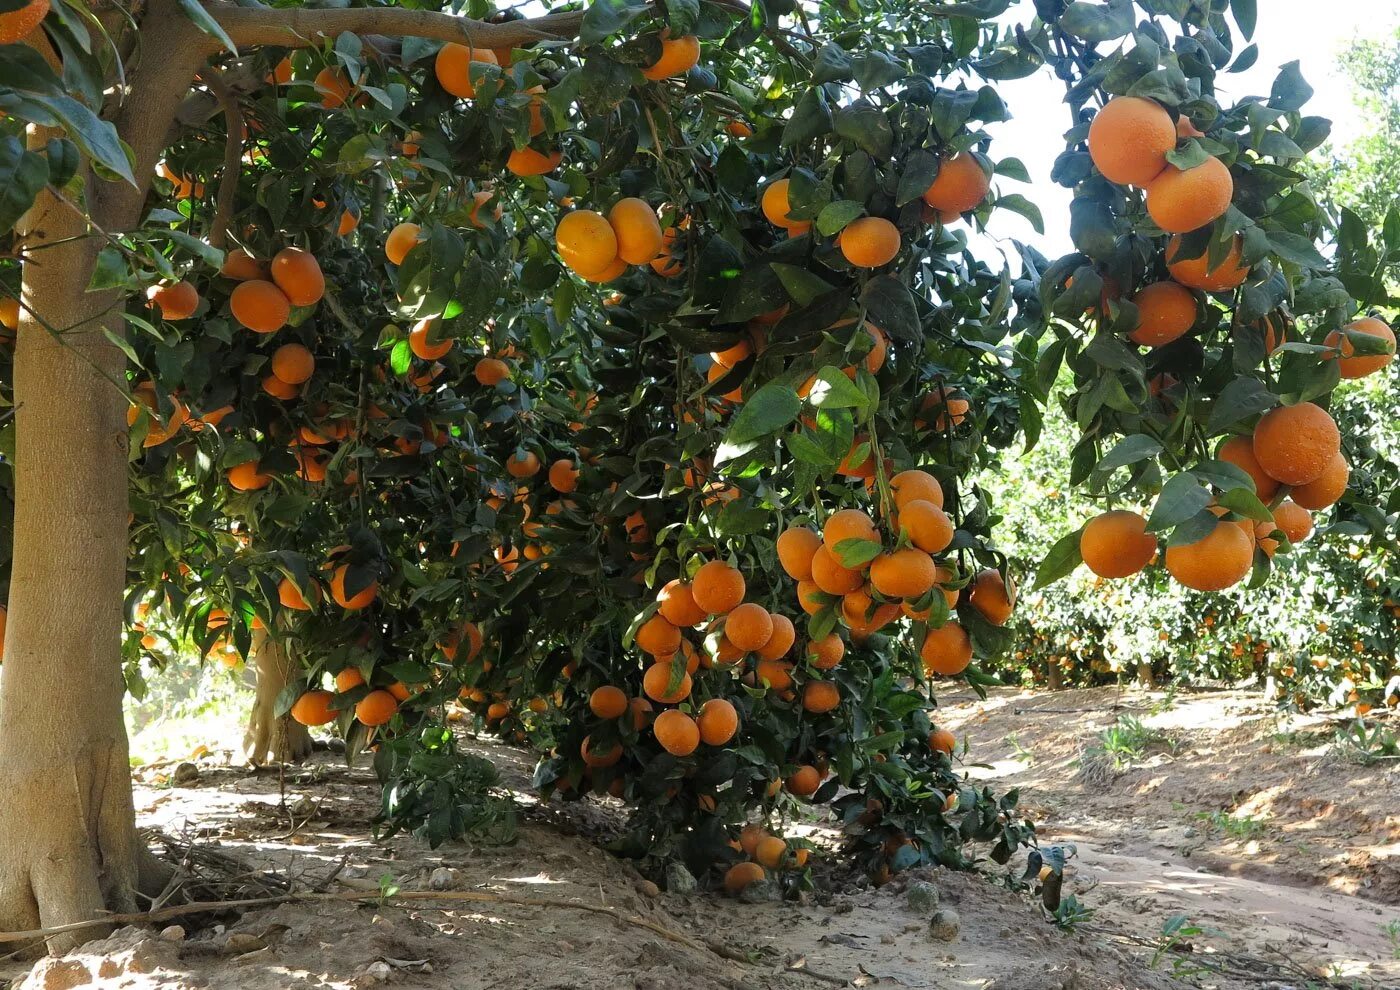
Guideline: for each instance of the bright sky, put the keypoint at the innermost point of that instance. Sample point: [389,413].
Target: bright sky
[1288,30]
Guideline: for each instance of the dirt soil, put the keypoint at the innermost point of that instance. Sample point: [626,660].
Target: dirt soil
[1306,894]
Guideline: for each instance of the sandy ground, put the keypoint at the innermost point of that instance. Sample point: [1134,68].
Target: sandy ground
[1309,891]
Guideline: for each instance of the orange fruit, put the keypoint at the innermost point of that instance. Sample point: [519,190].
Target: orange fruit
[776,207]
[1117,544]
[870,242]
[16,25]
[718,722]
[348,679]
[523,464]
[348,222]
[678,56]
[293,364]
[421,347]
[361,599]
[563,475]
[808,596]
[1296,444]
[717,587]
[731,356]
[291,597]
[334,86]
[586,242]
[641,711]
[314,708]
[1239,451]
[400,241]
[260,306]
[479,199]
[454,639]
[848,524]
[1181,201]
[910,486]
[598,759]
[943,741]
[298,275]
[1327,488]
[678,605]
[960,185]
[947,650]
[676,732]
[608,702]
[376,708]
[1129,140]
[991,596]
[656,683]
[739,876]
[614,270]
[777,674]
[527,161]
[459,67]
[749,627]
[1197,273]
[952,410]
[907,573]
[637,230]
[399,690]
[491,371]
[928,526]
[1294,520]
[9,312]
[1166,311]
[658,637]
[796,546]
[246,477]
[1217,561]
[176,300]
[1351,364]
[830,576]
[820,697]
[804,781]
[770,852]
[279,389]
[826,653]
[784,635]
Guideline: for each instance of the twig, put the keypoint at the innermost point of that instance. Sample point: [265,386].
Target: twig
[233,156]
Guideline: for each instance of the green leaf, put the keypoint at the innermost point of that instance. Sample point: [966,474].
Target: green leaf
[920,169]
[810,119]
[856,553]
[203,20]
[1096,22]
[1241,399]
[865,125]
[801,284]
[401,356]
[23,175]
[1060,562]
[1246,503]
[1017,203]
[1290,90]
[768,410]
[833,390]
[604,18]
[1181,498]
[890,306]
[1129,450]
[832,65]
[1296,248]
[1246,16]
[835,216]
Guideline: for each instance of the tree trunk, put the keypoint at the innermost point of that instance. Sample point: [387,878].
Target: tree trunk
[70,847]
[283,739]
[1144,675]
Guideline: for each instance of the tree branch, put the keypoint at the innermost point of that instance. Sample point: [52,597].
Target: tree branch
[233,156]
[304,27]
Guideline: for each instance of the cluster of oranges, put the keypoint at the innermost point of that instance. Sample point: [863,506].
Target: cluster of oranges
[266,292]
[599,248]
[374,707]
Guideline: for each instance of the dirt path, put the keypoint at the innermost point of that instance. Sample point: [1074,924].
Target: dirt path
[1284,892]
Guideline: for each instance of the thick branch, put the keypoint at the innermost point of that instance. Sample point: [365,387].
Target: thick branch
[304,27]
[233,155]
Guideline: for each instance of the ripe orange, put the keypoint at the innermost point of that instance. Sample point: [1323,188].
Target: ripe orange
[9,312]
[399,690]
[826,653]
[870,242]
[1129,140]
[1295,444]
[362,598]
[952,410]
[16,25]
[637,230]
[1217,561]
[809,597]
[260,306]
[491,371]
[241,266]
[992,597]
[910,486]
[524,464]
[770,852]
[334,86]
[479,199]
[804,781]
[298,275]
[731,356]
[586,242]
[658,637]
[246,477]
[376,708]
[1117,544]
[1294,520]
[796,546]
[563,475]
[1362,365]
[1326,488]
[527,161]
[1197,273]
[947,650]
[749,627]
[400,241]
[293,364]
[678,56]
[943,741]
[348,679]
[455,70]
[820,697]
[314,708]
[348,222]
[291,597]
[1166,311]
[777,674]
[1181,201]
[678,605]
[641,711]
[928,526]
[1239,451]
[718,722]
[598,759]
[676,732]
[960,185]
[784,635]
[279,389]
[419,344]
[608,702]
[656,683]
[176,300]
[848,524]
[907,573]
[454,639]
[739,876]
[717,587]
[776,207]
[830,576]
[614,270]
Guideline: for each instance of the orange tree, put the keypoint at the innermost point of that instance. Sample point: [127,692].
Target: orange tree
[662,465]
